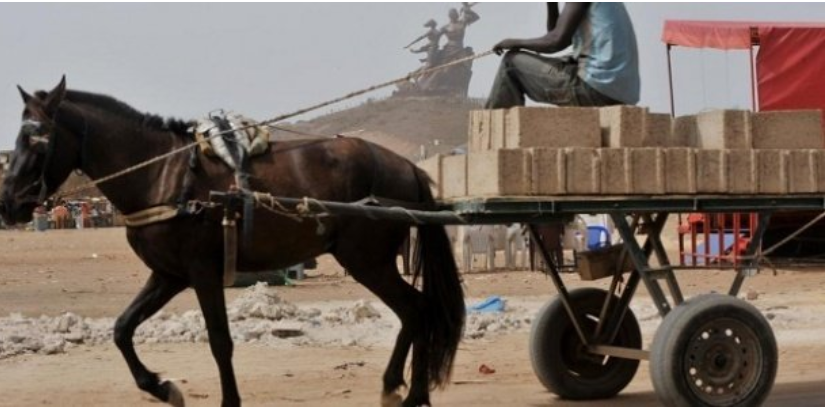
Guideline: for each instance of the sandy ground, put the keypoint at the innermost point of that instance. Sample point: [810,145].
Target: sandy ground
[94,274]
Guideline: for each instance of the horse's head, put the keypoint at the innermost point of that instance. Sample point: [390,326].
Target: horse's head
[42,158]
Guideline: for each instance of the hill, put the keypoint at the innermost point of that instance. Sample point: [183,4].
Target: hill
[402,124]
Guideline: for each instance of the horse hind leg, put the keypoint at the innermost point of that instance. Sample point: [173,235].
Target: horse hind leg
[157,292]
[407,303]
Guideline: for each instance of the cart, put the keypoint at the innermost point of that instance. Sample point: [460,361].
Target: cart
[712,350]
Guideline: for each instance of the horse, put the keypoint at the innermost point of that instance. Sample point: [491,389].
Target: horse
[66,130]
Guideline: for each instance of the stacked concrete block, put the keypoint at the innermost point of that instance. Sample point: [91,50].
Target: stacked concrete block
[787,130]
[803,172]
[616,171]
[773,171]
[711,171]
[454,176]
[583,171]
[497,124]
[684,132]
[433,167]
[679,170]
[723,129]
[561,127]
[647,171]
[623,126]
[658,130]
[479,129]
[548,171]
[742,171]
[505,172]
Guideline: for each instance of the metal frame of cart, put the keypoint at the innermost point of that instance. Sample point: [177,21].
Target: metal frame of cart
[713,349]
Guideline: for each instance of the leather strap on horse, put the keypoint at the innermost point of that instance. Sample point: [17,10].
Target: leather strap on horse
[152,215]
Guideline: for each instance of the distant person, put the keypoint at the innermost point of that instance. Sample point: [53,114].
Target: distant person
[602,70]
[61,216]
[84,215]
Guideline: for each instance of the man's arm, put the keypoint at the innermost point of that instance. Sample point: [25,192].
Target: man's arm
[553,16]
[555,40]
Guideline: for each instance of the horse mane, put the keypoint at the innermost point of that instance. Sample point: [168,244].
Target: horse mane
[121,109]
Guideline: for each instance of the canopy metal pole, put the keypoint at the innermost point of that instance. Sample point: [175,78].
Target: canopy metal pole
[752,85]
[671,89]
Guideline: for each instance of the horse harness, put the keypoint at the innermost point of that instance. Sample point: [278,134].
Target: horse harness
[239,140]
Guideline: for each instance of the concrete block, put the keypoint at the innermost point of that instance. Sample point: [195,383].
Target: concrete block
[711,170]
[505,172]
[684,132]
[802,169]
[773,171]
[497,124]
[623,126]
[800,129]
[616,171]
[724,129]
[472,129]
[454,176]
[658,130]
[560,127]
[742,171]
[480,125]
[647,171]
[548,171]
[433,167]
[582,171]
[679,170]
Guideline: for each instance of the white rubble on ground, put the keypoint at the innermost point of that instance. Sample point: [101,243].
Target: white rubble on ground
[259,316]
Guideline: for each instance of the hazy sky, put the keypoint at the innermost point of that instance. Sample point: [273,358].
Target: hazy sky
[185,60]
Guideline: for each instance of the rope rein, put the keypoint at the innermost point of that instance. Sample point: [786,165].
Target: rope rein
[272,120]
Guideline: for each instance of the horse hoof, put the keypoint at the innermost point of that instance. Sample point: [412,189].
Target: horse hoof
[393,400]
[174,396]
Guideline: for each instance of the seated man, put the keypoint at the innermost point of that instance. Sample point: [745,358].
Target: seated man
[602,71]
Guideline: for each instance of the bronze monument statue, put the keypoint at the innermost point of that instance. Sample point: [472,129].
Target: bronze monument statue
[451,81]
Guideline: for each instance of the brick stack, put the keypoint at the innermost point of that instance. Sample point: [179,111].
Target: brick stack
[628,151]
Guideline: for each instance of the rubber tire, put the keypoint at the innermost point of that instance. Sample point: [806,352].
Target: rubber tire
[675,332]
[553,334]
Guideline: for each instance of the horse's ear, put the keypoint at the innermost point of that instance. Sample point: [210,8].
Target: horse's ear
[56,96]
[26,97]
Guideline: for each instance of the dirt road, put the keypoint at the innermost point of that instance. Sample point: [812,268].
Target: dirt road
[94,274]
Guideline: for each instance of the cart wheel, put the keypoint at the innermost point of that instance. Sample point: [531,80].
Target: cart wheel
[713,350]
[560,360]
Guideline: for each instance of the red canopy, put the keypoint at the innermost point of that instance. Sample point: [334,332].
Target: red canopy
[790,61]
[725,35]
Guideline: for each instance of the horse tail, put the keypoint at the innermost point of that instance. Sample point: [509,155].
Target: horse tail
[434,262]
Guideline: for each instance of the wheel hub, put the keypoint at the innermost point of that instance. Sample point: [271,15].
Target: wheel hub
[722,362]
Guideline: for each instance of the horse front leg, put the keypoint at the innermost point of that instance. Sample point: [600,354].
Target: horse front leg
[157,292]
[210,293]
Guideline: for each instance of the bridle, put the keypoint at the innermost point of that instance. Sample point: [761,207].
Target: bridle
[37,138]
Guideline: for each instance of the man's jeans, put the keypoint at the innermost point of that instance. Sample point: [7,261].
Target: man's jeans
[542,79]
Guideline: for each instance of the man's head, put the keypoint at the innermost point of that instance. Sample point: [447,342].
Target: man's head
[430,23]
[453,14]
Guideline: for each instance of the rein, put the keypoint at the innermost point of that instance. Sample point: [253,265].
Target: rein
[268,122]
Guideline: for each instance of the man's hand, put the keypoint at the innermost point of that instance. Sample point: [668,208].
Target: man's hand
[556,39]
[505,45]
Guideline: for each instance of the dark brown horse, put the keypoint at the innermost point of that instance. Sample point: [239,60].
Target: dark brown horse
[64,130]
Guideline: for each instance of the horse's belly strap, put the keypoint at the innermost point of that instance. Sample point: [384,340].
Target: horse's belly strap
[152,215]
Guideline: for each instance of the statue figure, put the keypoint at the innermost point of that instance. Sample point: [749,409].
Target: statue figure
[450,81]
[431,48]
[455,32]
